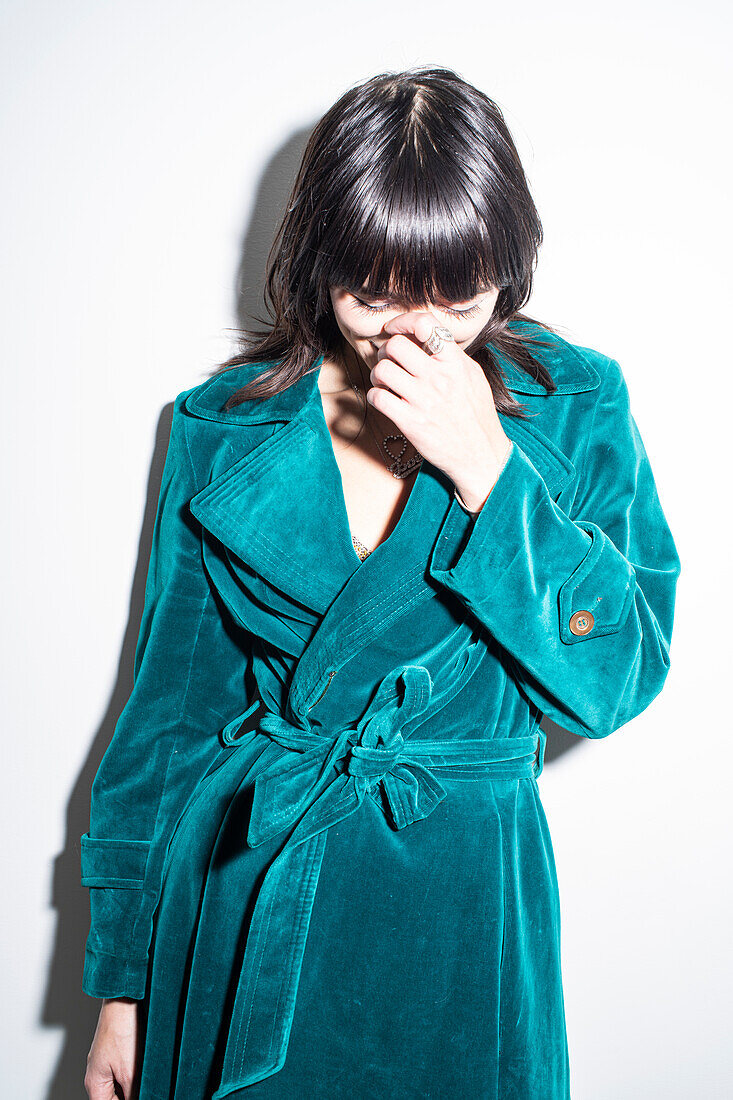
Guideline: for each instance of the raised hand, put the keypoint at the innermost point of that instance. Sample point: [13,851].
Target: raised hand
[442,403]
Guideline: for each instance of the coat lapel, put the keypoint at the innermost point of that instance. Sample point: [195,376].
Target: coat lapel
[279,507]
[274,508]
[546,457]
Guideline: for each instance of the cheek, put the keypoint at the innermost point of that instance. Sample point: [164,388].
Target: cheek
[468,332]
[363,326]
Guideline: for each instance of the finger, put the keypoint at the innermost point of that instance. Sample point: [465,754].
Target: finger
[100,1087]
[420,324]
[124,1080]
[393,407]
[406,354]
[393,376]
[416,322]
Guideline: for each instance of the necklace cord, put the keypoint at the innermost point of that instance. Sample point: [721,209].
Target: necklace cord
[393,463]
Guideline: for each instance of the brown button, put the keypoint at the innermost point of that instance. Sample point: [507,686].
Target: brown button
[581,622]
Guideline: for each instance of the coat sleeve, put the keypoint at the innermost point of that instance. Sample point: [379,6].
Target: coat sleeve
[530,571]
[188,681]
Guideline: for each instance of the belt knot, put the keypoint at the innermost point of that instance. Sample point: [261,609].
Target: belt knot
[373,762]
[327,776]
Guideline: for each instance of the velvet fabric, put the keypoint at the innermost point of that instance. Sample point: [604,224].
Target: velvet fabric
[317,853]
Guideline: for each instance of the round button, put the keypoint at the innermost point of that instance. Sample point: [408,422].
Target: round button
[581,622]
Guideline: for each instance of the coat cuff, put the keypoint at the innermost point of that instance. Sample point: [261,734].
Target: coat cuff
[114,862]
[108,976]
[526,565]
[115,872]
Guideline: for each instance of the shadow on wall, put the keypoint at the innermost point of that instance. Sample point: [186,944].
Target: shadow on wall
[65,1005]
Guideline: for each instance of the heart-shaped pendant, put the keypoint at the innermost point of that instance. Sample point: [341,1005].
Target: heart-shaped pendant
[397,467]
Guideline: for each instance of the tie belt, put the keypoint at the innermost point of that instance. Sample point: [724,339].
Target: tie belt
[316,784]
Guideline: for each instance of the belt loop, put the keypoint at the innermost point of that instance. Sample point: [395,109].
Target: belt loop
[228,733]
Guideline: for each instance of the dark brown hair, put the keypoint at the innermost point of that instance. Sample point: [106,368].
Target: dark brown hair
[411,182]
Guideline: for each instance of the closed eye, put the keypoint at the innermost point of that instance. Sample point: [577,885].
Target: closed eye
[366,308]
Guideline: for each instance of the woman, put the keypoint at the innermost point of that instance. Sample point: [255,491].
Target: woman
[400,526]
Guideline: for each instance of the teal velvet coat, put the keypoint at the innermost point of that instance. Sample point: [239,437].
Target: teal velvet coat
[317,853]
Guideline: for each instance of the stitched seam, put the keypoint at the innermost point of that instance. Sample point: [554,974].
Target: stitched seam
[114,881]
[368,611]
[275,556]
[124,958]
[175,741]
[520,550]
[376,605]
[583,466]
[188,447]
[263,938]
[108,845]
[224,482]
[585,567]
[312,872]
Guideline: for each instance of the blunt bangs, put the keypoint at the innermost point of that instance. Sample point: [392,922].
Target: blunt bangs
[423,248]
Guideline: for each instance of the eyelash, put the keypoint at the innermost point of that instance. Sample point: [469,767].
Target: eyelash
[452,312]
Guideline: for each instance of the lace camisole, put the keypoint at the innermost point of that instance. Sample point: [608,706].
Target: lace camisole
[364,552]
[360,548]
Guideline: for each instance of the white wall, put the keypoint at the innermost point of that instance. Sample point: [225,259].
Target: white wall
[147,148]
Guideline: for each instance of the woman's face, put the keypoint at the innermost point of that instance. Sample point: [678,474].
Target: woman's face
[361,318]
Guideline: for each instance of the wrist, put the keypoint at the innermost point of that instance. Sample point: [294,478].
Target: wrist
[474,488]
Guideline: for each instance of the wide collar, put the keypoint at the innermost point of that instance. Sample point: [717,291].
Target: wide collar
[276,503]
